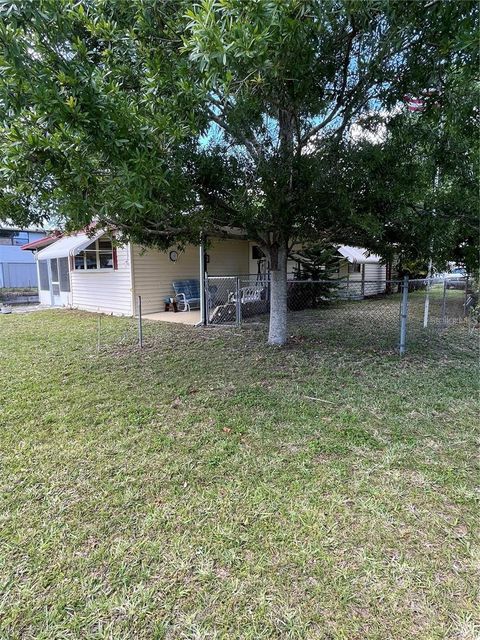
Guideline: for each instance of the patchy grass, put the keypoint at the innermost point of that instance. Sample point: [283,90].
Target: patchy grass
[211,487]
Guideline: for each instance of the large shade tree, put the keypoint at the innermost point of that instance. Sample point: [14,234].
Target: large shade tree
[174,118]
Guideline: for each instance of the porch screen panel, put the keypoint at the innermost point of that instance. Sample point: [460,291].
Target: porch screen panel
[63,274]
[43,270]
[54,268]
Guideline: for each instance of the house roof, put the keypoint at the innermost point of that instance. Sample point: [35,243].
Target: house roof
[42,242]
[68,246]
[7,225]
[358,255]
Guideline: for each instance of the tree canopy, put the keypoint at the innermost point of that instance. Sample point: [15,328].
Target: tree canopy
[284,119]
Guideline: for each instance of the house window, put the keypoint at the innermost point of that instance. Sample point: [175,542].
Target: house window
[257,253]
[20,238]
[98,255]
[6,236]
[354,268]
[17,238]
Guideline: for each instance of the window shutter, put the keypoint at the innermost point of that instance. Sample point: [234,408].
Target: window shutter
[115,259]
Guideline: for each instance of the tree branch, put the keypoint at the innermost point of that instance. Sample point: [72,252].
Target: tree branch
[251,146]
[215,199]
[229,232]
[341,94]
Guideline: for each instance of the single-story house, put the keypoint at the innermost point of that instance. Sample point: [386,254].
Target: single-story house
[17,267]
[365,272]
[95,274]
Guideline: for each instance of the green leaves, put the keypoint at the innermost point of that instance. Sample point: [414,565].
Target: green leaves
[80,135]
[169,117]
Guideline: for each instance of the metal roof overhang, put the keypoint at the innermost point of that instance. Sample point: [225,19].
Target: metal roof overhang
[358,255]
[68,246]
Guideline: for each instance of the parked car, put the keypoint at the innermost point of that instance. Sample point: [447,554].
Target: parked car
[456,278]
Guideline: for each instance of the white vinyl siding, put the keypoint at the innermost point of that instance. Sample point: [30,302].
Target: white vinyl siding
[154,272]
[375,275]
[106,291]
[378,273]
[228,258]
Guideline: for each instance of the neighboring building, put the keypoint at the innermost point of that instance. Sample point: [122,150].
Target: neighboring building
[17,267]
[91,273]
[44,241]
[355,266]
[365,271]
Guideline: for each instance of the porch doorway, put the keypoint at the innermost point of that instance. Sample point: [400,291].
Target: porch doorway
[55,279]
[55,283]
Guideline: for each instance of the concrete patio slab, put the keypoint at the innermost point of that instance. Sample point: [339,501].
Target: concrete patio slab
[181,317]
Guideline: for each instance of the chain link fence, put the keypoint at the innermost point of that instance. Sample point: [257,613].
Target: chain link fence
[441,302]
[388,314]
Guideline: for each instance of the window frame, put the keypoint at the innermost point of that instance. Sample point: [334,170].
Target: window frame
[20,238]
[354,267]
[14,238]
[257,252]
[98,252]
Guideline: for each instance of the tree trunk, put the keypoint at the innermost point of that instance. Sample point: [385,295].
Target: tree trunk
[277,331]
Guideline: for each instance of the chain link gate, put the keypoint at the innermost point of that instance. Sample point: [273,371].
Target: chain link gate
[222,300]
[231,299]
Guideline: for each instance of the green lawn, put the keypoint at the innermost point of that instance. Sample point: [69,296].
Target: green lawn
[211,487]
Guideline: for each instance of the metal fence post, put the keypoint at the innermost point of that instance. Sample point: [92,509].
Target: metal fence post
[140,331]
[204,297]
[99,328]
[444,302]
[403,317]
[426,309]
[465,300]
[238,302]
